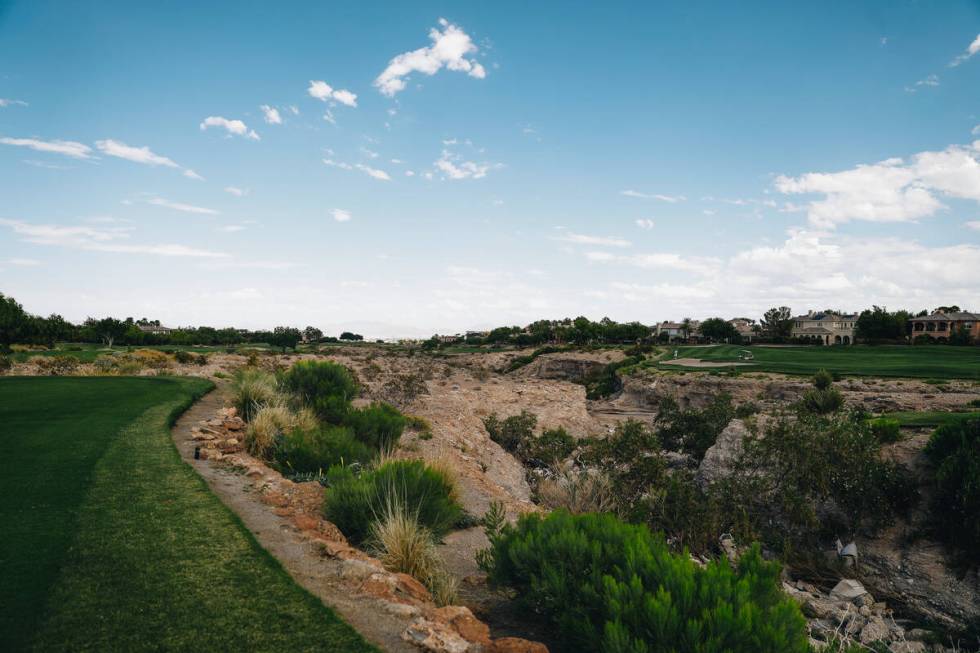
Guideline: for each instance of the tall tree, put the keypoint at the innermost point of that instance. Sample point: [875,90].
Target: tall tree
[718,330]
[777,323]
[109,329]
[285,337]
[14,322]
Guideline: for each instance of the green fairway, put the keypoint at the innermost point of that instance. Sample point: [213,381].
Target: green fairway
[112,543]
[931,418]
[931,362]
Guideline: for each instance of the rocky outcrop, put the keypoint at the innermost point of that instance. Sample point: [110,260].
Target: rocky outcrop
[719,460]
[562,368]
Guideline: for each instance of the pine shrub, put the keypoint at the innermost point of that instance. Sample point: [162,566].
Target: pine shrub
[886,429]
[614,587]
[379,425]
[313,451]
[354,503]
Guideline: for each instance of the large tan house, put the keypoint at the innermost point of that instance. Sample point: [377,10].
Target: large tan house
[826,327]
[940,326]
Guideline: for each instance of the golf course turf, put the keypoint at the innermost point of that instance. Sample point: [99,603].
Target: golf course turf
[925,361]
[112,543]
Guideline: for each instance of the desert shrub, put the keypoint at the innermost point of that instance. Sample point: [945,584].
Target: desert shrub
[547,449]
[631,457]
[816,476]
[886,429]
[183,357]
[822,401]
[5,364]
[606,381]
[974,403]
[614,587]
[404,545]
[521,361]
[693,518]
[402,389]
[315,450]
[379,425]
[58,365]
[417,423]
[693,431]
[253,388]
[510,432]
[274,421]
[326,387]
[822,380]
[954,452]
[354,503]
[748,409]
[576,491]
[151,358]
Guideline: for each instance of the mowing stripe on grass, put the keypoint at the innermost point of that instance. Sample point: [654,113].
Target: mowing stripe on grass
[157,562]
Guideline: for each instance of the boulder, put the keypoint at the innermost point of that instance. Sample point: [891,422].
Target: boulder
[848,590]
[720,458]
[516,645]
[876,630]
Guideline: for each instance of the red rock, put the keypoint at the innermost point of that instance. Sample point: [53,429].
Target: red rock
[516,645]
[414,589]
[306,523]
[275,498]
[463,622]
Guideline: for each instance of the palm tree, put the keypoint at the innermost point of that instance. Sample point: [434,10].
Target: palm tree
[686,328]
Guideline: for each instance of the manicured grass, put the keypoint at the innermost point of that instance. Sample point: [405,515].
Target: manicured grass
[931,418]
[111,542]
[931,361]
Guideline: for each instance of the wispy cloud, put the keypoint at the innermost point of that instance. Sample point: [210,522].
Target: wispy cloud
[926,82]
[98,240]
[450,48]
[320,90]
[974,224]
[971,50]
[602,241]
[653,196]
[453,166]
[373,172]
[7,102]
[233,127]
[237,192]
[177,206]
[68,148]
[341,215]
[644,223]
[23,262]
[142,155]
[190,174]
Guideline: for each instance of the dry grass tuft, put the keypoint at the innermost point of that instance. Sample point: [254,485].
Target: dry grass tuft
[577,492]
[271,421]
[252,389]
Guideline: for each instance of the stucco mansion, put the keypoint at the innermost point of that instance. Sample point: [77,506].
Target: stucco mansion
[826,327]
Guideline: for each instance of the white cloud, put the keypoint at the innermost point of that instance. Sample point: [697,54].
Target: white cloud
[143,154]
[644,223]
[971,50]
[98,240]
[233,127]
[892,190]
[340,215]
[673,199]
[271,115]
[237,192]
[231,228]
[602,241]
[67,148]
[177,206]
[926,82]
[190,174]
[974,224]
[338,164]
[24,262]
[373,172]
[454,167]
[449,49]
[322,91]
[7,102]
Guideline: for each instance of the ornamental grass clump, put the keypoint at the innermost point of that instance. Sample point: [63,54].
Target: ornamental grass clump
[354,503]
[274,421]
[614,587]
[253,388]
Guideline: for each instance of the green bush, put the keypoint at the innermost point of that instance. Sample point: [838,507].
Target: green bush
[549,448]
[355,503]
[379,425]
[614,587]
[183,356]
[822,401]
[325,387]
[886,429]
[512,431]
[5,364]
[954,452]
[693,431]
[823,380]
[606,381]
[316,450]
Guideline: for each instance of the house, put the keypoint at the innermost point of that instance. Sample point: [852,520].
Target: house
[745,328]
[940,326]
[675,331]
[828,327]
[155,329]
[448,340]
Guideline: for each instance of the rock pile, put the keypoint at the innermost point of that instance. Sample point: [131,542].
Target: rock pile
[219,436]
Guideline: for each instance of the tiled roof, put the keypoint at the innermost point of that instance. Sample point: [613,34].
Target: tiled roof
[947,317]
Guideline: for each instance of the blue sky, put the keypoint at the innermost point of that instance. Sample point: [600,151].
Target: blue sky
[439,166]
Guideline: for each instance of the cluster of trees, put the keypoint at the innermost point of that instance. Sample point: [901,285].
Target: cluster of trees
[19,326]
[578,331]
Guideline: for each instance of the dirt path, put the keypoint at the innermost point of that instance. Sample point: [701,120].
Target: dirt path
[324,577]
